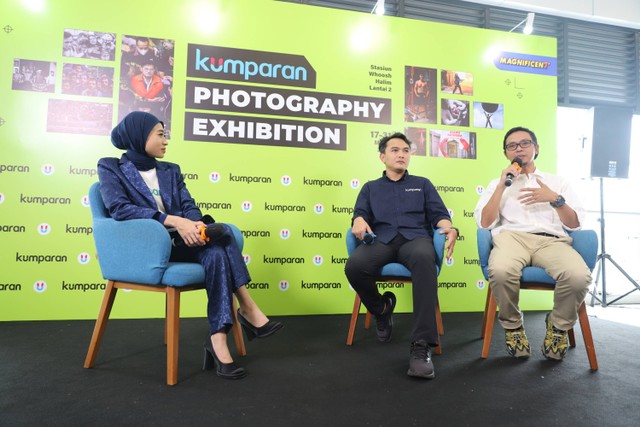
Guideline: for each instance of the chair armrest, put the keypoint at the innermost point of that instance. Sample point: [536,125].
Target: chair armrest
[585,242]
[135,250]
[485,243]
[438,244]
[352,242]
[237,234]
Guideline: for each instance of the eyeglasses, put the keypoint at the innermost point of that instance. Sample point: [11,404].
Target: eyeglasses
[522,144]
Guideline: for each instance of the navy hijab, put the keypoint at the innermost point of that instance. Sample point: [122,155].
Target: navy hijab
[131,134]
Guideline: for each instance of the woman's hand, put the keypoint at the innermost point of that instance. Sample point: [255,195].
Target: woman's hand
[187,229]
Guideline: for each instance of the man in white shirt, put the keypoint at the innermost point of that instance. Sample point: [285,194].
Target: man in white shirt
[529,213]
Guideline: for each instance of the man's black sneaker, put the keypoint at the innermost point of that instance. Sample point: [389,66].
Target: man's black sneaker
[384,321]
[420,364]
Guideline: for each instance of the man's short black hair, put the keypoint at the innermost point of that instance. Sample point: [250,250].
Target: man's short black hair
[518,129]
[382,145]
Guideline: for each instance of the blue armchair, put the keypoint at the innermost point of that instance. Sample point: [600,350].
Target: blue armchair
[134,255]
[394,272]
[585,242]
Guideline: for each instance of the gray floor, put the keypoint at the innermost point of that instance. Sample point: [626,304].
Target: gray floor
[306,375]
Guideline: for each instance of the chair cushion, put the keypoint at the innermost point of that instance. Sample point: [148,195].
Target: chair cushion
[180,274]
[537,275]
[395,269]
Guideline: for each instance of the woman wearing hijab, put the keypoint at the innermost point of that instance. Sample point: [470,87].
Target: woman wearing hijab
[139,186]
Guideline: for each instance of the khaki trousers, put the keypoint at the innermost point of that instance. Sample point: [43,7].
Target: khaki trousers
[512,251]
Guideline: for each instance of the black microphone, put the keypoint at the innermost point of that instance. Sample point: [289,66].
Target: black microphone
[517,162]
[212,231]
[368,238]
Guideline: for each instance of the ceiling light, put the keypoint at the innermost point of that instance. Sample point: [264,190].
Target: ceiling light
[528,23]
[378,9]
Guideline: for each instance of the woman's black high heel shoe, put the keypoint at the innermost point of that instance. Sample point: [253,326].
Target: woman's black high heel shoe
[262,332]
[225,370]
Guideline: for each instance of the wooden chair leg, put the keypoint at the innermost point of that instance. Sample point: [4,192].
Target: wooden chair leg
[101,324]
[354,319]
[588,338]
[490,317]
[486,306]
[172,333]
[572,338]
[438,349]
[237,330]
[439,320]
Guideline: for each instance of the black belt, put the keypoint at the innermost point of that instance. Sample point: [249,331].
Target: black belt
[546,235]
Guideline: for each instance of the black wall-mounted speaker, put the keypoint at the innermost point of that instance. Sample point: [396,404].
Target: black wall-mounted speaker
[610,150]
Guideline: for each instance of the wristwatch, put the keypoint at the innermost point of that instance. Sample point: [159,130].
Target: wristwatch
[558,203]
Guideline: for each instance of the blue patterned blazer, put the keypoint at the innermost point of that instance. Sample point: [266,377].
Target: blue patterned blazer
[127,196]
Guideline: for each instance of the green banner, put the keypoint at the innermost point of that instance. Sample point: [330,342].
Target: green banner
[274,110]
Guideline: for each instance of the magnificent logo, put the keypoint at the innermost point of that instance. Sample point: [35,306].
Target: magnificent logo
[225,63]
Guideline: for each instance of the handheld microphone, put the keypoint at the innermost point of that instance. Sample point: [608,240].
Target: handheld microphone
[212,231]
[369,238]
[209,232]
[517,162]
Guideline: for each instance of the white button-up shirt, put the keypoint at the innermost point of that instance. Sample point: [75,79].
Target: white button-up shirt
[535,218]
